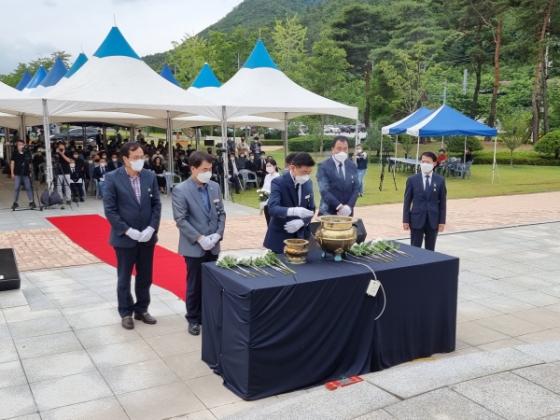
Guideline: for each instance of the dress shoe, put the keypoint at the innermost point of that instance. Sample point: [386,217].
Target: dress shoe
[32,205]
[146,318]
[194,329]
[15,206]
[127,323]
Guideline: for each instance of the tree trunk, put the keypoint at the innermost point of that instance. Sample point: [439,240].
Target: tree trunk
[546,126]
[539,71]
[367,79]
[498,44]
[478,74]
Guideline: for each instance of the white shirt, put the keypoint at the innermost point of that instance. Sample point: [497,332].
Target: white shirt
[267,184]
[336,162]
[428,178]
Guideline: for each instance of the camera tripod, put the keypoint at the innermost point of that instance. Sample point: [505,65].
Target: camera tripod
[382,175]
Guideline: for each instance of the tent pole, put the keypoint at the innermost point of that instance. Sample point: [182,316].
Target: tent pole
[494,163]
[381,153]
[22,133]
[357,139]
[225,155]
[465,152]
[47,140]
[169,135]
[285,134]
[416,165]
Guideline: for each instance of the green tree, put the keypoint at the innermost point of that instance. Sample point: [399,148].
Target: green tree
[549,144]
[187,58]
[289,46]
[515,131]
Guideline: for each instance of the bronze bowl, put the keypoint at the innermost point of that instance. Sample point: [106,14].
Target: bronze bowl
[336,235]
[296,250]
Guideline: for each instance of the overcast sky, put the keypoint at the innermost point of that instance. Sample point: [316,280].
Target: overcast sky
[31,29]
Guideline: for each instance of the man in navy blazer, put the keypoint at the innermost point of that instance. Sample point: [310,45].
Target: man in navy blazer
[338,181]
[133,208]
[425,204]
[291,204]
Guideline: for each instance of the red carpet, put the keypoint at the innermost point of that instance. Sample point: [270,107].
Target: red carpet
[91,232]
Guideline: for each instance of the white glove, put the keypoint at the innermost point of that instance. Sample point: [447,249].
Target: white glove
[215,238]
[294,225]
[344,211]
[146,234]
[300,212]
[133,234]
[206,243]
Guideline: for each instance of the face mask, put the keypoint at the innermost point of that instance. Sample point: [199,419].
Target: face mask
[137,165]
[115,160]
[426,168]
[270,169]
[75,156]
[72,166]
[204,177]
[302,179]
[341,156]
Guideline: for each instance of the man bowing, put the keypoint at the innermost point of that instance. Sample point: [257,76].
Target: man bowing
[291,204]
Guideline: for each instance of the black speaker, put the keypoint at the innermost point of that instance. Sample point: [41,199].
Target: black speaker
[358,223]
[9,273]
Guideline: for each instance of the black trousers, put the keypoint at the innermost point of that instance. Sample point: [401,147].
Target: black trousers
[426,235]
[266,214]
[194,286]
[142,257]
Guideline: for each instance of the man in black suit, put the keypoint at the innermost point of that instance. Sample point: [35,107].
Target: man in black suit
[133,208]
[425,201]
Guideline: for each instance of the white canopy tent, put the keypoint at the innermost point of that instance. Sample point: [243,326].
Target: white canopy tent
[115,79]
[260,88]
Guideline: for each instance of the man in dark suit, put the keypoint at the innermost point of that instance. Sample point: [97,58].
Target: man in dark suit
[425,204]
[199,213]
[338,181]
[114,163]
[132,206]
[291,204]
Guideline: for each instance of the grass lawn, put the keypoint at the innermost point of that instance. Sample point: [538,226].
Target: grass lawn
[509,180]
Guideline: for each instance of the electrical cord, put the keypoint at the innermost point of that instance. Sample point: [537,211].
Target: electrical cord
[380,285]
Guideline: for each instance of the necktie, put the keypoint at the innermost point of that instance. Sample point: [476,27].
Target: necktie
[340,173]
[427,184]
[298,193]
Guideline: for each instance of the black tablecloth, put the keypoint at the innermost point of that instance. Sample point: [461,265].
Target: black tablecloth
[269,335]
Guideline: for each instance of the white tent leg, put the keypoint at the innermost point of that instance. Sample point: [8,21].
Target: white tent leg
[381,153]
[169,136]
[357,140]
[225,155]
[494,162]
[47,140]
[417,155]
[285,135]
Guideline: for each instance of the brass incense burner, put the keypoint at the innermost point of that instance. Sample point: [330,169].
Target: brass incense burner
[336,235]
[296,250]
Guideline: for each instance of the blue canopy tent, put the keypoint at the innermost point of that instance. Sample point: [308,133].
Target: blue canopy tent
[400,127]
[24,80]
[57,72]
[167,74]
[206,78]
[80,61]
[446,122]
[37,78]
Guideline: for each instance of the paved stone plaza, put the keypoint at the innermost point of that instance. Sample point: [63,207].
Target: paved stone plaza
[63,354]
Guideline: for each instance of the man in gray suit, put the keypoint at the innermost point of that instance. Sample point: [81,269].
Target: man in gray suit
[199,213]
[133,208]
